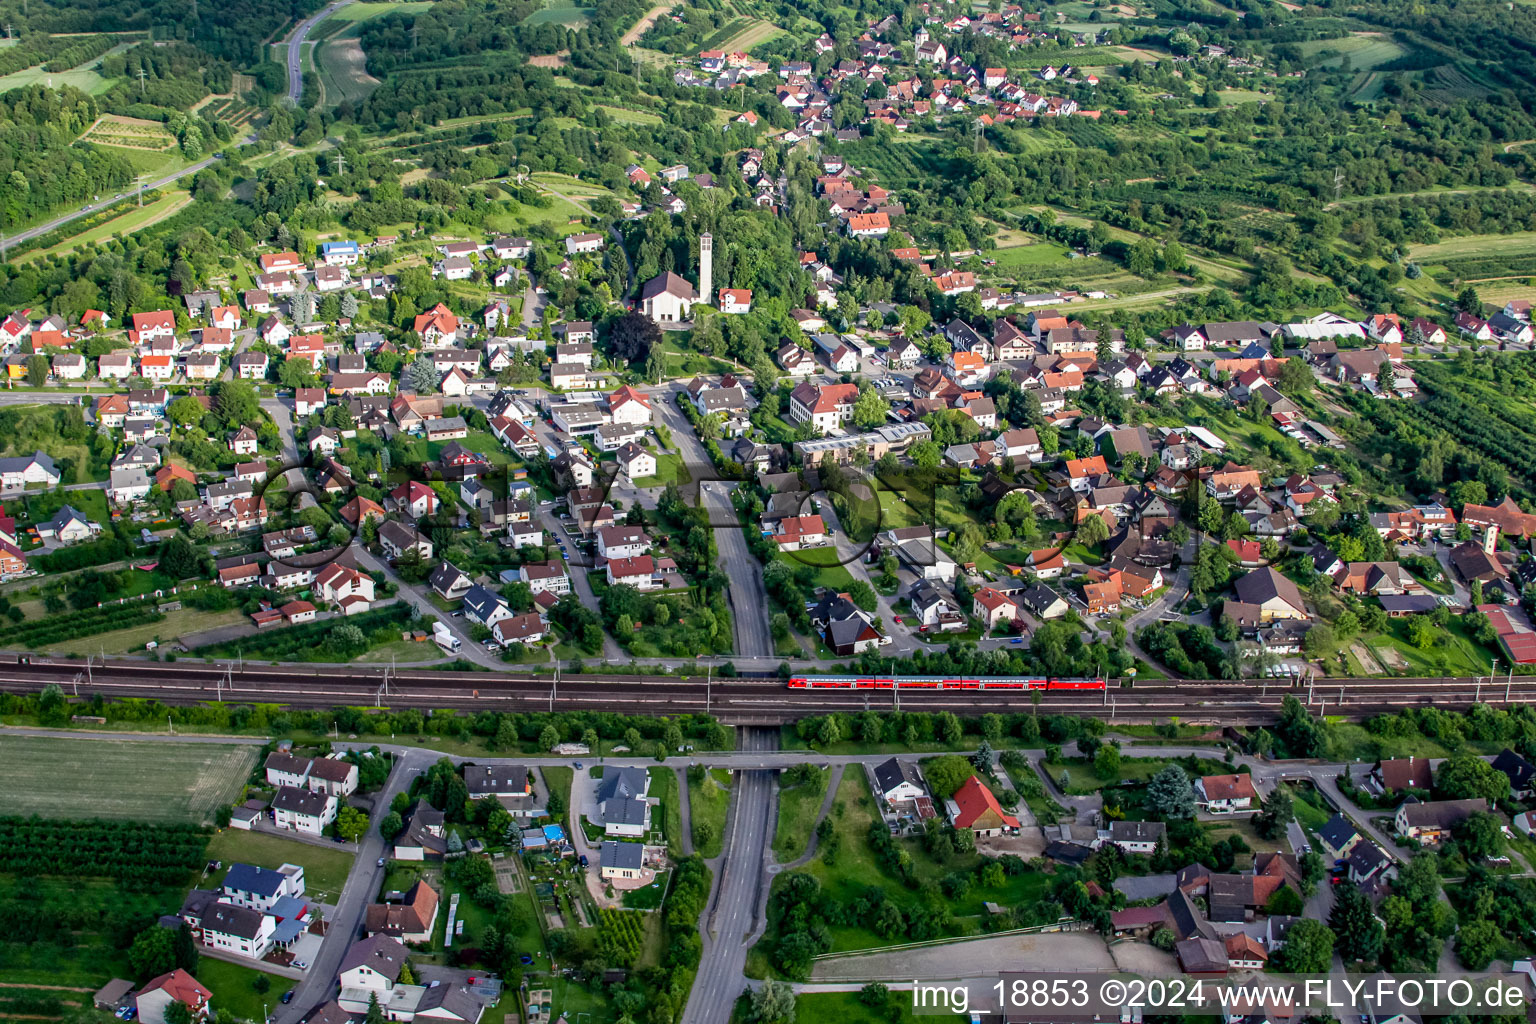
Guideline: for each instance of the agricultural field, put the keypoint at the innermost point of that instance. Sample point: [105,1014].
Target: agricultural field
[752,34]
[137,780]
[561,12]
[129,133]
[339,57]
[1364,51]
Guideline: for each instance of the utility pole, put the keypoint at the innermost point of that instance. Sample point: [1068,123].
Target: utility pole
[341,163]
[709,674]
[1477,696]
[141,81]
[1311,682]
[554,689]
[140,181]
[1338,183]
[1507,680]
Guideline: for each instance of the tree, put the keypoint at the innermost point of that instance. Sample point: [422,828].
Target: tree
[177,1012]
[1106,763]
[1308,948]
[1465,776]
[153,952]
[1279,810]
[423,376]
[351,824]
[391,825]
[632,337]
[773,1003]
[185,411]
[946,774]
[549,738]
[1092,530]
[869,409]
[236,404]
[52,705]
[1480,836]
[1477,944]
[375,1014]
[1170,795]
[37,371]
[1357,933]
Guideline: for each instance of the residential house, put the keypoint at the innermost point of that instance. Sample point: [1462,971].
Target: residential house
[1429,822]
[1224,794]
[973,806]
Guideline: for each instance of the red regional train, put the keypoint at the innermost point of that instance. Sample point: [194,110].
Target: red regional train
[940,683]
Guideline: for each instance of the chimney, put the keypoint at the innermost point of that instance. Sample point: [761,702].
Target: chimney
[706,269]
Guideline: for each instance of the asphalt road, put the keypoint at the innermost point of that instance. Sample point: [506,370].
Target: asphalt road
[749,601]
[65,218]
[296,45]
[731,921]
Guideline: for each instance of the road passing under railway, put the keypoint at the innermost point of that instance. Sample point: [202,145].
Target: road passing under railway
[737,700]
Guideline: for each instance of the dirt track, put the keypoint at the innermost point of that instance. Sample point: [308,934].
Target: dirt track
[643,26]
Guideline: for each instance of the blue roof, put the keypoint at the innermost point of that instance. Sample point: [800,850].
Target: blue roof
[534,842]
[287,930]
[251,879]
[554,833]
[289,907]
[347,246]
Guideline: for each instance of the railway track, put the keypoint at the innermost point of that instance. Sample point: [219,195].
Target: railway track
[737,700]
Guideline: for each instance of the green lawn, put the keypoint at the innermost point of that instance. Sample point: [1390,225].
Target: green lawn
[136,780]
[232,988]
[325,870]
[1132,769]
[477,441]
[669,470]
[664,789]
[830,572]
[648,898]
[1040,254]
[797,815]
[847,1008]
[558,780]
[708,801]
[857,867]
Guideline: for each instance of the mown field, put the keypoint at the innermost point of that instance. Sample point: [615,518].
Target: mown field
[138,780]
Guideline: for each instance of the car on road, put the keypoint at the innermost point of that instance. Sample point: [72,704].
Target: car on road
[898,620]
[288,996]
[578,765]
[1017,640]
[381,862]
[301,965]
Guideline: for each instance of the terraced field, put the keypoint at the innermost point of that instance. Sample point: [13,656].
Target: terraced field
[129,133]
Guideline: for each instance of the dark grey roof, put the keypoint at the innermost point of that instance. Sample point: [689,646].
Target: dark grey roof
[1136,831]
[1516,767]
[892,773]
[1337,832]
[242,922]
[619,794]
[1367,858]
[454,999]
[490,779]
[300,801]
[1186,917]
[481,602]
[380,953]
[630,856]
